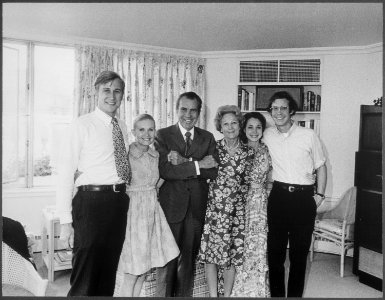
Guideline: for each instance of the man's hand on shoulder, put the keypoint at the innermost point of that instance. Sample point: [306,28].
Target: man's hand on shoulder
[67,234]
[208,162]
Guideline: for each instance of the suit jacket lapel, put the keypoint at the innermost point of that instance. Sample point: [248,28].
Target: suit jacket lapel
[178,138]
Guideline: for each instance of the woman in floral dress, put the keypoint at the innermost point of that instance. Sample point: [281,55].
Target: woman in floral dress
[252,276]
[222,239]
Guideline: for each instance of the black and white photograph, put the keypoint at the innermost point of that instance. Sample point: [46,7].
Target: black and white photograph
[192,149]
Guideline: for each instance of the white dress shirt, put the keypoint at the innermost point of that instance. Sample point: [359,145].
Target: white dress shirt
[295,154]
[183,131]
[88,148]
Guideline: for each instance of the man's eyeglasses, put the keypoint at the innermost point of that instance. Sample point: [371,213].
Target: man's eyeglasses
[281,108]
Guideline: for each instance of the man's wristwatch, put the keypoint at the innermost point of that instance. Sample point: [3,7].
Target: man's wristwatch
[321,195]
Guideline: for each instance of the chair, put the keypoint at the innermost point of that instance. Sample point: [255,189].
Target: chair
[337,226]
[18,271]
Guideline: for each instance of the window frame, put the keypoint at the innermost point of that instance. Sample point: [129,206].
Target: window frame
[29,101]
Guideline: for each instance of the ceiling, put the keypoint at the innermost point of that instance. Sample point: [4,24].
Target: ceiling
[202,26]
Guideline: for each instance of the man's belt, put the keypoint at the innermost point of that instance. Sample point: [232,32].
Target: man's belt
[293,187]
[103,188]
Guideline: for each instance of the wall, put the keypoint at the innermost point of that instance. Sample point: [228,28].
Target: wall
[25,206]
[350,77]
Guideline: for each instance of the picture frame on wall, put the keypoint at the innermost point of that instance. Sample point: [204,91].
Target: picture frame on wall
[264,93]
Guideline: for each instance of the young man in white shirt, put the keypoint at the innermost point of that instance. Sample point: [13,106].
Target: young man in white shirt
[95,218]
[296,154]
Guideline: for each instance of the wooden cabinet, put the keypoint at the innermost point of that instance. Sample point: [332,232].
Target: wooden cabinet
[368,258]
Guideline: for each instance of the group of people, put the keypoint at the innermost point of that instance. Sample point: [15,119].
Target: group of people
[232,204]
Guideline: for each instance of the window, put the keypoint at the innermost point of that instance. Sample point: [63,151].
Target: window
[38,102]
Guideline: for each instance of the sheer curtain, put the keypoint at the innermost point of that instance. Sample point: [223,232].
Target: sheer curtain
[153,81]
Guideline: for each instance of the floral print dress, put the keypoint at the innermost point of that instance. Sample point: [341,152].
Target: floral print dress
[223,232]
[251,278]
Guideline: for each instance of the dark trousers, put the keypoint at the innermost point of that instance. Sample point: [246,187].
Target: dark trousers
[99,222]
[179,273]
[290,217]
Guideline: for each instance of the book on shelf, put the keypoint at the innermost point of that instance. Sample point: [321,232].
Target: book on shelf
[312,102]
[318,103]
[246,101]
[251,101]
[311,125]
[306,102]
[240,97]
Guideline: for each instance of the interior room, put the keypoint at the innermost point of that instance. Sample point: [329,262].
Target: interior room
[330,54]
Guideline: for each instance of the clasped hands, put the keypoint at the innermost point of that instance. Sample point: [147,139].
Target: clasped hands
[207,162]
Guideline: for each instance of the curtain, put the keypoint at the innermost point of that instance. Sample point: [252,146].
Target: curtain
[153,82]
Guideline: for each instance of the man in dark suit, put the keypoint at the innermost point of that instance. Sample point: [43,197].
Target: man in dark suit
[186,162]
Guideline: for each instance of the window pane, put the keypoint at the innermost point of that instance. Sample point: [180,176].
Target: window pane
[14,114]
[53,107]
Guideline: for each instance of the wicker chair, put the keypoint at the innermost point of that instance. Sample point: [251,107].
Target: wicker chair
[18,271]
[337,226]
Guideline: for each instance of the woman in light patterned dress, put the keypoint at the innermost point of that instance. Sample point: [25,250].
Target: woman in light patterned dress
[222,239]
[149,241]
[252,278]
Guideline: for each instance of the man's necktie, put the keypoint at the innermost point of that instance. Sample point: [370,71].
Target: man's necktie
[188,142]
[120,154]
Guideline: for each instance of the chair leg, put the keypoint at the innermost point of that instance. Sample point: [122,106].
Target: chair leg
[342,265]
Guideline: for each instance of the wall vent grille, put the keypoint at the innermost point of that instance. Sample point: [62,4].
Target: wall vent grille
[303,70]
[259,71]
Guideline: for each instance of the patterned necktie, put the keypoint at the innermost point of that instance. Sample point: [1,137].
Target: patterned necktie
[188,142]
[121,160]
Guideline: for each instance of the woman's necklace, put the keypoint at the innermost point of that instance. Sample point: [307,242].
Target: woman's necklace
[232,148]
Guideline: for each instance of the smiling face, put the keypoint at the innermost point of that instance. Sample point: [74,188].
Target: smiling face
[110,96]
[187,113]
[253,130]
[144,132]
[280,112]
[230,126]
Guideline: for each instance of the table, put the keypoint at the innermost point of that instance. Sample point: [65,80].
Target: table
[51,227]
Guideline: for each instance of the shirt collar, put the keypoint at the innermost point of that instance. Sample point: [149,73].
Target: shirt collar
[136,152]
[286,134]
[106,119]
[183,131]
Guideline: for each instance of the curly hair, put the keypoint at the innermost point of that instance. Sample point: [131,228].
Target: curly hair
[227,109]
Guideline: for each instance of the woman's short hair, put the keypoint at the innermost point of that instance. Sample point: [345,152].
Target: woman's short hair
[227,109]
[108,76]
[246,118]
[293,106]
[143,117]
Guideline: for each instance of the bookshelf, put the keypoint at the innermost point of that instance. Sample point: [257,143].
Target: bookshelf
[255,97]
